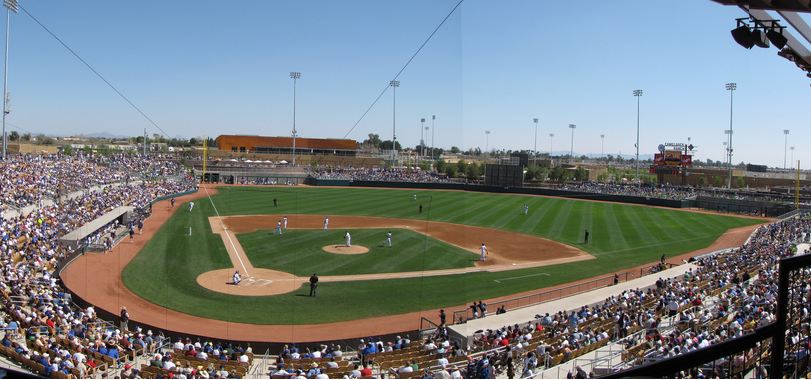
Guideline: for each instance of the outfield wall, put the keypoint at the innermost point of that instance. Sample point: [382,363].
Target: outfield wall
[671,203]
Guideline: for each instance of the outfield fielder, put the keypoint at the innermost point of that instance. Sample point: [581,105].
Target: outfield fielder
[191,206]
[388,239]
[284,222]
[326,223]
[348,239]
[484,251]
[526,209]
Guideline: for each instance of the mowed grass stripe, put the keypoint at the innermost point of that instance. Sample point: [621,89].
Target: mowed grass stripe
[613,237]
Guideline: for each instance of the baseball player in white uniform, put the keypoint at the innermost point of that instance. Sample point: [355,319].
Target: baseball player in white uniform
[484,251]
[284,222]
[388,239]
[326,223]
[348,239]
[191,206]
[526,209]
[236,278]
[414,197]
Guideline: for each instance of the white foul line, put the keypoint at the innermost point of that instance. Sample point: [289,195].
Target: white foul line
[514,278]
[227,234]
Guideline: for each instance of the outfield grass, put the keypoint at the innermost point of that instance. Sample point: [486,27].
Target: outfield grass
[299,252]
[622,236]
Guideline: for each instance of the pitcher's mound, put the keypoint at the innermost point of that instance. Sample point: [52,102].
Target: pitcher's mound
[344,250]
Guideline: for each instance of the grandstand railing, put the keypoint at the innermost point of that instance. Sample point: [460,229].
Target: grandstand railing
[550,295]
[427,327]
[764,348]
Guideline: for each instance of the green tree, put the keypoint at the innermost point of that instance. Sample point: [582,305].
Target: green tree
[26,137]
[717,181]
[13,136]
[455,150]
[373,140]
[450,171]
[386,145]
[581,174]
[461,166]
[740,182]
[67,149]
[440,166]
[472,171]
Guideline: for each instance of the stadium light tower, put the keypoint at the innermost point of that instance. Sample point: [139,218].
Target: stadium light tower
[394,84]
[295,75]
[433,129]
[792,157]
[11,6]
[424,147]
[535,149]
[725,150]
[638,94]
[602,146]
[486,141]
[551,135]
[785,145]
[422,141]
[731,87]
[571,148]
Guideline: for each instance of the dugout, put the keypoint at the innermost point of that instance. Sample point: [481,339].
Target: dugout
[122,213]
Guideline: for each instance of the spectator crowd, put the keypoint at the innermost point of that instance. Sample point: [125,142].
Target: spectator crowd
[724,296]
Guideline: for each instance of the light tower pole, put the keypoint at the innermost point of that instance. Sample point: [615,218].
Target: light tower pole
[394,84]
[785,145]
[433,130]
[425,148]
[602,146]
[295,75]
[11,6]
[725,149]
[486,142]
[422,141]
[551,135]
[535,149]
[638,94]
[731,87]
[571,148]
[792,157]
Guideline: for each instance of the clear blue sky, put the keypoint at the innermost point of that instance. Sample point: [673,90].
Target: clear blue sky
[208,68]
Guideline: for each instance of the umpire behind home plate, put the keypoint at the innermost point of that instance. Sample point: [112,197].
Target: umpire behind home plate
[313,284]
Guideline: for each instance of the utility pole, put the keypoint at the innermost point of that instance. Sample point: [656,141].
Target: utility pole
[145,143]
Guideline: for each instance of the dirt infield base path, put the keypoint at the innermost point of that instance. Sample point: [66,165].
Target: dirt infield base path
[507,251]
[96,278]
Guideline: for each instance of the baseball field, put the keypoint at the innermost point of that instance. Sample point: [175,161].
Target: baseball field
[432,263]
